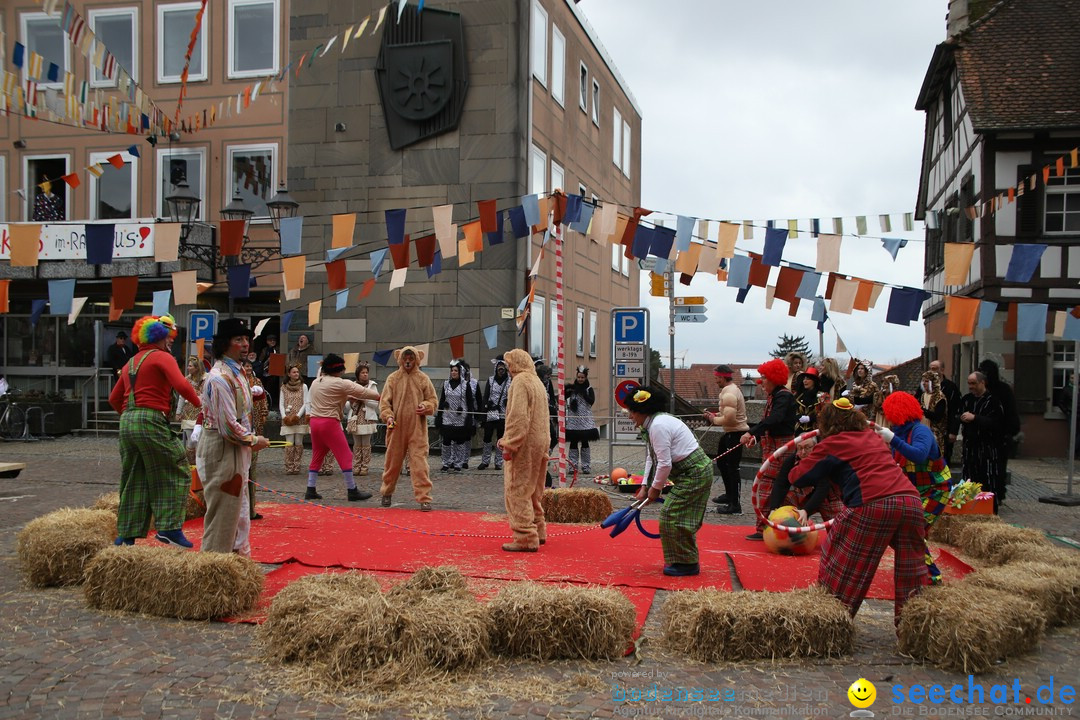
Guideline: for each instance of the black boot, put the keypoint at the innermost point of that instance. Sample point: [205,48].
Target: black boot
[721,499]
[730,509]
[312,495]
[356,494]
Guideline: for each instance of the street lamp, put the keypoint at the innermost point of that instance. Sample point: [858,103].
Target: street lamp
[237,210]
[184,208]
[281,206]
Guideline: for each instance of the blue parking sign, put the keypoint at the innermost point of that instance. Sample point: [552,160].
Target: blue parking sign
[202,324]
[629,325]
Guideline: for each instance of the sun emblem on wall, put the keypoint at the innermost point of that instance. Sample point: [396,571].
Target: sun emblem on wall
[420,89]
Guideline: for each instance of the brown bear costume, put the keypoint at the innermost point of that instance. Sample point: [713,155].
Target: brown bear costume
[526,442]
[408,398]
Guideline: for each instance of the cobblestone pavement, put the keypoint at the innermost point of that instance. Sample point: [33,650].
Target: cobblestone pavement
[59,659]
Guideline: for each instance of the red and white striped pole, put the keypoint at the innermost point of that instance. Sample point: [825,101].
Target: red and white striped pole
[561,385]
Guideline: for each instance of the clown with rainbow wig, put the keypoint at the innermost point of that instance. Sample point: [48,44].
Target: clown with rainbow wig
[155,474]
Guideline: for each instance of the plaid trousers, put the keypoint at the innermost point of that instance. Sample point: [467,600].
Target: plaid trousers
[684,507]
[855,543]
[154,474]
[765,482]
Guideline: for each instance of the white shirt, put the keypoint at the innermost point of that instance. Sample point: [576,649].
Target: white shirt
[671,442]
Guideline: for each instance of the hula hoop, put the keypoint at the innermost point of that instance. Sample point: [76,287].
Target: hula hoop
[279,444]
[778,457]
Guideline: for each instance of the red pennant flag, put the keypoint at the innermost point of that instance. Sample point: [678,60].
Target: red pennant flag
[124,290]
[4,285]
[400,254]
[114,312]
[759,272]
[277,364]
[1060,167]
[117,161]
[1010,322]
[560,206]
[787,284]
[793,307]
[232,237]
[862,295]
[369,285]
[425,250]
[488,220]
[72,180]
[335,275]
[457,346]
[1076,312]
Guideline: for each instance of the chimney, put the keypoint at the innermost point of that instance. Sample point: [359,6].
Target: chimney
[962,13]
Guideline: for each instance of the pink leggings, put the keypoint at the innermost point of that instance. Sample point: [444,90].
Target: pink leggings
[327,436]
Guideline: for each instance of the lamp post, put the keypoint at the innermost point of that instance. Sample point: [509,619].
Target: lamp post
[281,206]
[184,208]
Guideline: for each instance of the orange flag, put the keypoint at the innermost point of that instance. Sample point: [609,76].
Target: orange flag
[344,225]
[25,243]
[958,262]
[4,284]
[335,275]
[962,315]
[862,295]
[293,268]
[474,240]
[369,285]
[457,346]
[117,161]
[124,290]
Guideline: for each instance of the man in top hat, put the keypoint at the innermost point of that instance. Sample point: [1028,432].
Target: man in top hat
[226,441]
[119,353]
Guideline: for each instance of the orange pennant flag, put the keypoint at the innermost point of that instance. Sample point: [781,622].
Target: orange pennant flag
[25,243]
[1060,167]
[117,161]
[114,312]
[335,275]
[958,262]
[200,350]
[962,315]
[293,269]
[862,295]
[474,239]
[369,285]
[344,226]
[4,285]
[72,180]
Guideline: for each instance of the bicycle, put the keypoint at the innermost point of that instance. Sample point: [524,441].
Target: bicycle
[13,420]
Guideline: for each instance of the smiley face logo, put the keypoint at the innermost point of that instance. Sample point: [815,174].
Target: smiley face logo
[862,693]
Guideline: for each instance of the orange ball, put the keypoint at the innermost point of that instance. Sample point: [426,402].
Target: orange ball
[618,474]
[783,542]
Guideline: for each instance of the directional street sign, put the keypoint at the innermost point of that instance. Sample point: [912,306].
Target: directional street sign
[690,318]
[695,309]
[693,300]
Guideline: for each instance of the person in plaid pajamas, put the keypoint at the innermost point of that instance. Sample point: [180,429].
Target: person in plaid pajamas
[776,428]
[882,509]
[916,451]
[673,454]
[155,475]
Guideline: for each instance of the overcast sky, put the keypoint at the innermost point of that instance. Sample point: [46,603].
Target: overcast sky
[776,109]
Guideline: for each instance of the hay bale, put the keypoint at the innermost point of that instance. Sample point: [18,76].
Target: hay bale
[432,580]
[172,583]
[947,527]
[1052,555]
[54,549]
[303,616]
[716,626]
[109,501]
[546,623]
[1055,589]
[964,628]
[995,542]
[343,627]
[576,505]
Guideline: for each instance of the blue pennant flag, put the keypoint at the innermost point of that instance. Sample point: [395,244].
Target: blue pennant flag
[491,336]
[291,230]
[662,240]
[531,205]
[334,253]
[1031,322]
[808,285]
[162,300]
[286,322]
[54,73]
[18,54]
[740,297]
[436,265]
[61,296]
[986,314]
[496,238]
[642,242]
[582,223]
[893,245]
[1024,262]
[341,299]
[684,233]
[382,357]
[738,271]
[99,243]
[775,239]
[395,227]
[377,259]
[240,280]
[1072,328]
[36,308]
[818,313]
[518,222]
[572,213]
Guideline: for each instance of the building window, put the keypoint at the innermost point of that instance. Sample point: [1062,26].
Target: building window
[583,87]
[175,23]
[43,35]
[254,38]
[536,326]
[596,103]
[580,332]
[1061,368]
[174,166]
[616,138]
[553,333]
[42,206]
[616,252]
[626,145]
[537,172]
[625,264]
[115,27]
[558,65]
[558,177]
[1063,203]
[538,49]
[592,333]
[253,177]
[112,196]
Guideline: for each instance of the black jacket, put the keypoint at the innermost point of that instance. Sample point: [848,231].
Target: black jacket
[780,421]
